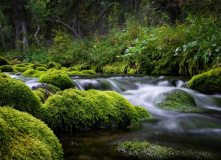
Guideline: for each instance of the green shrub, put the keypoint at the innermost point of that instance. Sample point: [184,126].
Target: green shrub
[88,72]
[21,69]
[208,82]
[24,137]
[17,94]
[42,94]
[145,150]
[73,69]
[34,66]
[41,69]
[143,113]
[33,73]
[61,81]
[7,68]
[75,109]
[178,100]
[3,61]
[3,75]
[49,87]
[54,65]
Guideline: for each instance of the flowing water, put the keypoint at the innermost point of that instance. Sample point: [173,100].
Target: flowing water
[196,131]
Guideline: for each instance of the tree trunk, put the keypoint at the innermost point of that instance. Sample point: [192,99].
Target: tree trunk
[17,26]
[36,37]
[24,33]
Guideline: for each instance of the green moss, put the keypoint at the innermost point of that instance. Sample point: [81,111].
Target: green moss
[61,81]
[7,68]
[42,94]
[21,69]
[75,72]
[20,65]
[33,73]
[88,72]
[145,150]
[17,94]
[25,137]
[54,65]
[3,75]
[208,82]
[3,61]
[73,69]
[49,87]
[75,109]
[41,69]
[178,100]
[143,113]
[116,67]
[35,66]
[131,71]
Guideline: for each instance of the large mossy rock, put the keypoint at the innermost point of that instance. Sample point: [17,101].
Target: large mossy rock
[148,151]
[143,113]
[178,100]
[75,109]
[3,75]
[17,94]
[3,61]
[24,137]
[7,68]
[62,81]
[208,82]
[33,73]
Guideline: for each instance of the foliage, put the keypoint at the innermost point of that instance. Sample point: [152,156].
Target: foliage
[25,137]
[7,68]
[17,94]
[75,109]
[143,113]
[145,150]
[61,81]
[207,82]
[178,100]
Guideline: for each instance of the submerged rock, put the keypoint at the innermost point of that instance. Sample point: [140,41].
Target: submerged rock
[208,82]
[49,87]
[178,100]
[24,137]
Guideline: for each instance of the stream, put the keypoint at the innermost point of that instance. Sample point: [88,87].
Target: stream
[195,131]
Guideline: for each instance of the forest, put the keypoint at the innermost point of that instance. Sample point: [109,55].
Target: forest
[110,79]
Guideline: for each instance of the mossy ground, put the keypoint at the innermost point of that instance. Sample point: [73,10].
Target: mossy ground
[207,82]
[74,109]
[145,150]
[17,94]
[178,100]
[24,137]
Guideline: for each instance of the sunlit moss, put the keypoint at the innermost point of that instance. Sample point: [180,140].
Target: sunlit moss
[62,81]
[74,109]
[33,73]
[21,69]
[7,68]
[24,137]
[41,69]
[34,66]
[3,75]
[88,72]
[143,113]
[17,94]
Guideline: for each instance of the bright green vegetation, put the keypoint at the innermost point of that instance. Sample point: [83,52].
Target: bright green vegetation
[33,73]
[3,75]
[49,87]
[73,69]
[54,65]
[207,82]
[17,94]
[74,109]
[35,66]
[3,61]
[41,69]
[61,81]
[145,150]
[43,94]
[24,137]
[7,68]
[88,72]
[21,69]
[178,100]
[143,113]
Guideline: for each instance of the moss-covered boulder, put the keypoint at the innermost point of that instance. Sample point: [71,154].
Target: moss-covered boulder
[62,81]
[75,109]
[143,113]
[42,94]
[17,94]
[3,75]
[49,87]
[35,66]
[178,100]
[146,150]
[41,69]
[33,73]
[88,72]
[24,137]
[208,82]
[7,68]
[73,69]
[3,61]
[21,69]
[21,65]
[54,65]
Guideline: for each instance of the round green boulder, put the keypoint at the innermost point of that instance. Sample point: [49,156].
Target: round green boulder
[17,94]
[7,68]
[62,81]
[3,61]
[24,137]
